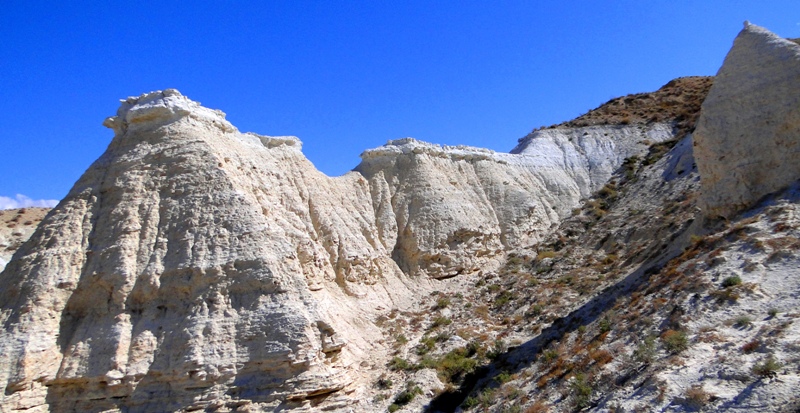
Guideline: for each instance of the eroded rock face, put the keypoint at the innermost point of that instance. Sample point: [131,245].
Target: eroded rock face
[197,267]
[457,210]
[16,226]
[183,266]
[748,136]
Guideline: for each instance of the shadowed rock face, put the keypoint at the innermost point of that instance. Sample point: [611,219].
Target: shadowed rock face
[747,140]
[194,266]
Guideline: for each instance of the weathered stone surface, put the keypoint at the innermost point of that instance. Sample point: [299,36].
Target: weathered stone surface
[16,226]
[454,210]
[197,267]
[748,136]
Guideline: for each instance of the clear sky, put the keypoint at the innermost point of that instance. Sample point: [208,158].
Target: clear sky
[342,76]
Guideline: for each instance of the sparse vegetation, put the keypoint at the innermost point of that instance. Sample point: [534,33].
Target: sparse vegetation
[442,302]
[697,397]
[440,321]
[399,363]
[743,321]
[384,383]
[674,341]
[751,346]
[767,368]
[605,325]
[542,255]
[679,100]
[406,396]
[581,391]
[646,351]
[731,281]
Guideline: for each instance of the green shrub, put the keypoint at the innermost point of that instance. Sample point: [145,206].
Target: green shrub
[646,351]
[743,321]
[674,341]
[486,398]
[470,403]
[767,368]
[609,191]
[605,325]
[581,391]
[503,377]
[504,298]
[455,365]
[426,345]
[406,396]
[399,363]
[534,310]
[549,356]
[731,281]
[441,321]
[401,340]
[384,383]
[772,312]
[442,302]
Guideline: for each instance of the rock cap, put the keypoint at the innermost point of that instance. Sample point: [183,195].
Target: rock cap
[158,108]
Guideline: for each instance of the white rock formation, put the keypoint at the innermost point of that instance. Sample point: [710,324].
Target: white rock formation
[16,226]
[455,210]
[196,267]
[747,141]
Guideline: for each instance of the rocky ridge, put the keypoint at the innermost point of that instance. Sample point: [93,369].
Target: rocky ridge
[677,101]
[194,267]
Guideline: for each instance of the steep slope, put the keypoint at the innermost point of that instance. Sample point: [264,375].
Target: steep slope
[677,101]
[640,302]
[196,267]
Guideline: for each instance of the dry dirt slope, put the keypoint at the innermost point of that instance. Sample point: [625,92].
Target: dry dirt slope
[639,301]
[630,312]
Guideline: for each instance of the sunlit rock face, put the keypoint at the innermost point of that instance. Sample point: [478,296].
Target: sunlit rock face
[748,135]
[196,267]
[454,210]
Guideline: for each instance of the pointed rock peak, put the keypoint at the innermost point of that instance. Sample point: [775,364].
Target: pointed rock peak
[760,34]
[154,109]
[750,123]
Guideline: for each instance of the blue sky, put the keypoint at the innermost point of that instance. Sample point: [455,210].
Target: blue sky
[343,76]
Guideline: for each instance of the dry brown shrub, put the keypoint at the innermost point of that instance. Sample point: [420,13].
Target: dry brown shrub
[784,243]
[696,396]
[538,407]
[751,346]
[601,357]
